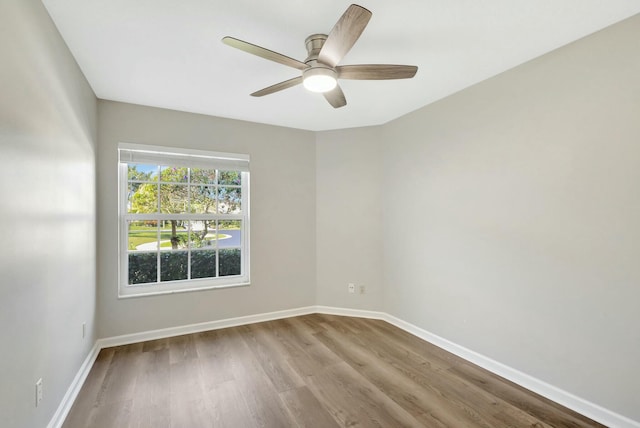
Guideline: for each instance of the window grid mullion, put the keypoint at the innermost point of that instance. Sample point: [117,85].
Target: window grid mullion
[158,234]
[189,251]
[217,223]
[189,231]
[217,249]
[183,217]
[158,260]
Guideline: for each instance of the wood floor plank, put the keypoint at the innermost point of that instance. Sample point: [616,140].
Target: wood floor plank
[269,353]
[395,348]
[155,415]
[265,406]
[435,355]
[189,413]
[155,345]
[229,407]
[114,414]
[306,409]
[215,356]
[303,351]
[354,401]
[182,348]
[152,386]
[299,336]
[308,371]
[119,380]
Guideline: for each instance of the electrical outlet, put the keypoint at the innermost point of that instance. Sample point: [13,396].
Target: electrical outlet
[38,392]
[84,329]
[351,287]
[361,289]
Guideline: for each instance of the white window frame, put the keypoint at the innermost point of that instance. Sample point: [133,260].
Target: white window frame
[170,156]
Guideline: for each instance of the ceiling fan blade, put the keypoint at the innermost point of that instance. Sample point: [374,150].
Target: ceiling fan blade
[336,97]
[376,71]
[344,35]
[278,87]
[264,53]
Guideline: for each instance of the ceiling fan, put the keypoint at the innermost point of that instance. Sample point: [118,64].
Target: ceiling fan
[320,71]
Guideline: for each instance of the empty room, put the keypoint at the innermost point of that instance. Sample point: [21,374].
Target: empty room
[320,214]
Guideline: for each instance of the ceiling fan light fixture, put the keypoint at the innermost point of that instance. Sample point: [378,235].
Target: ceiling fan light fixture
[319,79]
[321,69]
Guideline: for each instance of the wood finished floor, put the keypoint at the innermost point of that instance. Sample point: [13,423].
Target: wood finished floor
[310,371]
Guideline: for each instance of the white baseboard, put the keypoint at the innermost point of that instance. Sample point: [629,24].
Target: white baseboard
[205,326]
[358,313]
[70,396]
[584,407]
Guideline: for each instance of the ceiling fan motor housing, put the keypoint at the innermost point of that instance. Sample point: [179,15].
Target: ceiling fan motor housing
[313,44]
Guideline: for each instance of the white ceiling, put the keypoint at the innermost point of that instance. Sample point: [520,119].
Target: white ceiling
[168,53]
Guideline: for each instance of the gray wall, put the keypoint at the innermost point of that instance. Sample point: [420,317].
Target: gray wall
[349,225]
[282,217]
[520,204]
[47,188]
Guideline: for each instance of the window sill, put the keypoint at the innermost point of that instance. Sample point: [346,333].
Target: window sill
[128,292]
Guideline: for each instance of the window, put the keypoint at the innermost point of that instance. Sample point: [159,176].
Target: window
[184,219]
